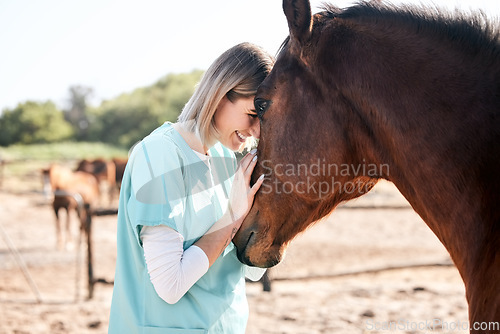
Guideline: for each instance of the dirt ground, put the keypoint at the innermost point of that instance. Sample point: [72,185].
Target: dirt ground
[344,275]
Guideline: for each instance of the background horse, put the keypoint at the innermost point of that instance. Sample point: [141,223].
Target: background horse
[105,173]
[72,191]
[376,92]
[120,164]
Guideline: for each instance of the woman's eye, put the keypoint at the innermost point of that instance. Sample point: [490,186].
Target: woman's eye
[253,115]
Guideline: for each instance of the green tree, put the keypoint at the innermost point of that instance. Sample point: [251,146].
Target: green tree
[128,118]
[77,113]
[33,122]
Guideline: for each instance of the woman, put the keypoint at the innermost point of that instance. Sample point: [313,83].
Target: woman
[183,198]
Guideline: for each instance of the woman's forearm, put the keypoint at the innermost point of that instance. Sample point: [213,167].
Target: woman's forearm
[218,237]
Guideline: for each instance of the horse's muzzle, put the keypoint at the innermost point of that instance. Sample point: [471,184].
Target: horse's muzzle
[241,240]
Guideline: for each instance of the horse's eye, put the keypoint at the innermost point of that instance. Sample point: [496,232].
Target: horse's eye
[261,106]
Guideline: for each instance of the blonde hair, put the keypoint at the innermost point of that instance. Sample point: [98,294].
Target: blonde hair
[237,73]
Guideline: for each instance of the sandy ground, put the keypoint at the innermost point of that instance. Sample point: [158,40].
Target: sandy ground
[330,281]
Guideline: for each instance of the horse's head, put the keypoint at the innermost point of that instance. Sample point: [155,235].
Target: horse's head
[303,182]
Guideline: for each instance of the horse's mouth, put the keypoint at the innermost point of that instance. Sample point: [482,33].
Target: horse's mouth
[250,256]
[252,245]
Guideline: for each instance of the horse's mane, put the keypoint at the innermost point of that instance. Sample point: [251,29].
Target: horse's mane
[473,32]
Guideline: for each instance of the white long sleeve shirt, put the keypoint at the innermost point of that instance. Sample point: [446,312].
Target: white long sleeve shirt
[172,270]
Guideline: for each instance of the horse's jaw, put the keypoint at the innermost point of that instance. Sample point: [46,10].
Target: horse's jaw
[270,225]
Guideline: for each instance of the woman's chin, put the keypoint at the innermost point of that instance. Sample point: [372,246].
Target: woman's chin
[234,144]
[237,145]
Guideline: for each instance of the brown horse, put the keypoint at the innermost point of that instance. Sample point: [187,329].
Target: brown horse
[72,191]
[120,164]
[375,92]
[105,172]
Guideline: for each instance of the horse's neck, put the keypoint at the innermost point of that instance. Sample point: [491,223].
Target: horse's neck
[431,116]
[449,189]
[434,143]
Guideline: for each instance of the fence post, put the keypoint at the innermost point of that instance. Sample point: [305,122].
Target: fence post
[88,231]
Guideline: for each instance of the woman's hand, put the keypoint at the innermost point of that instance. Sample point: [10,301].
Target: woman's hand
[242,195]
[222,232]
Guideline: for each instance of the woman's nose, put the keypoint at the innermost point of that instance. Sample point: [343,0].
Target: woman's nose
[255,129]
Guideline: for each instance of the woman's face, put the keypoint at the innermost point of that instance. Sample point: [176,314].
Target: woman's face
[236,121]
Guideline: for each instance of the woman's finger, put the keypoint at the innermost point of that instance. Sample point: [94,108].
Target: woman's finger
[248,172]
[247,159]
[256,186]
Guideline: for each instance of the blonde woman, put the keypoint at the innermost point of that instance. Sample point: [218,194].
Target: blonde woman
[183,198]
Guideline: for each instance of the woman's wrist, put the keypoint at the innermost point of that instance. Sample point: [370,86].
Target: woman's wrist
[218,237]
[226,220]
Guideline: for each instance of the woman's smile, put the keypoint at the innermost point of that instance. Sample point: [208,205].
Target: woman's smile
[241,137]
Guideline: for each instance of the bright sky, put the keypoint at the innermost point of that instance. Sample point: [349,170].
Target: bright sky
[115,46]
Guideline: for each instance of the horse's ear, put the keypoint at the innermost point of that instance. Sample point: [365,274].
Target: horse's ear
[298,15]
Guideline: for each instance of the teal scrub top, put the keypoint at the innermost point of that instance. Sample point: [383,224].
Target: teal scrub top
[166,183]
